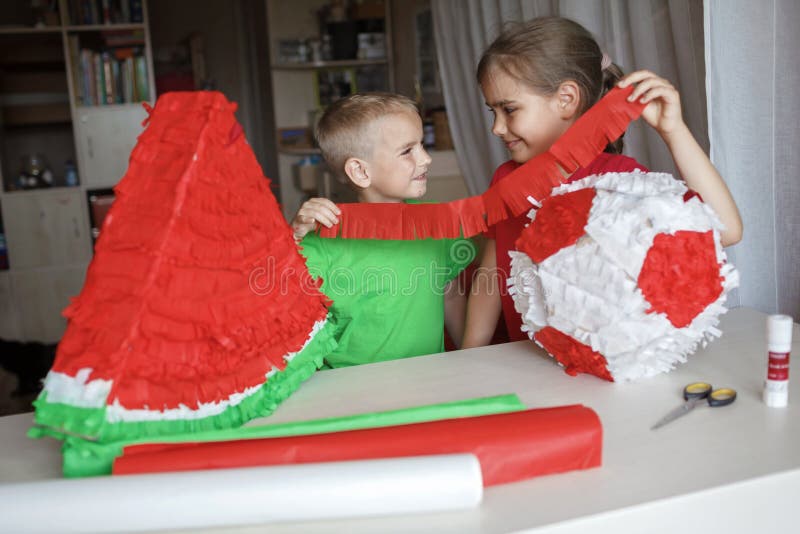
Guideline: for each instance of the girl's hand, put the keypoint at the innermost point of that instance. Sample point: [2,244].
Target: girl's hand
[663,111]
[313,212]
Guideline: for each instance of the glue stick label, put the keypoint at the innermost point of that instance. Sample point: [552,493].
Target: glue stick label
[778,367]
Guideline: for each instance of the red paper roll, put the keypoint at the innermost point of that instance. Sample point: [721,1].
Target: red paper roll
[510,446]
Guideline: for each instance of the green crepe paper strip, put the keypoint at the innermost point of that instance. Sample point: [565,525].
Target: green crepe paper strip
[82,458]
[82,421]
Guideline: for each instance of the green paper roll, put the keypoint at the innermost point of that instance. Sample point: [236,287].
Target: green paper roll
[83,458]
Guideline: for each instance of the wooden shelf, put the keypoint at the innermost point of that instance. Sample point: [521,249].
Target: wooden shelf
[38,190]
[300,151]
[103,27]
[345,63]
[81,107]
[36,114]
[24,30]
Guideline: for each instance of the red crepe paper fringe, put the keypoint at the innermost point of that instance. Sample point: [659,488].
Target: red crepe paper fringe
[584,141]
[196,290]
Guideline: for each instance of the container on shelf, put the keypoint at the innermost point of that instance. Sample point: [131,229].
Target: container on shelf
[306,174]
[70,174]
[34,172]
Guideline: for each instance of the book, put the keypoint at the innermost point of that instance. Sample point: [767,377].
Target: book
[117,79]
[94,12]
[87,78]
[142,89]
[128,93]
[85,11]
[99,82]
[73,45]
[108,78]
[137,13]
[125,10]
[105,9]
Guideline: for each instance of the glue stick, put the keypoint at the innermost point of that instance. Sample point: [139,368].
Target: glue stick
[779,344]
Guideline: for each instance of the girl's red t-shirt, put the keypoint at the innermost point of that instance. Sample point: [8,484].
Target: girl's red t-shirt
[505,233]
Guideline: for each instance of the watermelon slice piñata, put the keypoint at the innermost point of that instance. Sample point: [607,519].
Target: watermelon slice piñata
[197,311]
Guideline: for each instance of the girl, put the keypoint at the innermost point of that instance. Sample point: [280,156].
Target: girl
[537,78]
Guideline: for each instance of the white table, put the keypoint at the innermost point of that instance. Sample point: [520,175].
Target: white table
[736,467]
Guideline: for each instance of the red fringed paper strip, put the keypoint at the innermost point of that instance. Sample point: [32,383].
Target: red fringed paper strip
[511,446]
[579,145]
[680,275]
[602,124]
[470,215]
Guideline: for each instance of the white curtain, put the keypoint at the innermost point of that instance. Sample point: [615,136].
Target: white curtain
[660,35]
[753,80]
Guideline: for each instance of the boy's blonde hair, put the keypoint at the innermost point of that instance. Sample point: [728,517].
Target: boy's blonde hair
[344,130]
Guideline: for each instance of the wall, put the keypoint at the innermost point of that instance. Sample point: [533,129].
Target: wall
[172,21]
[405,51]
[236,52]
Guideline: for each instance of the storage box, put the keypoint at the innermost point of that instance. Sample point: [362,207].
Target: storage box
[441,130]
[294,137]
[371,46]
[368,9]
[306,174]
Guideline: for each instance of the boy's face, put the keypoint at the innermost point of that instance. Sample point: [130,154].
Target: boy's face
[399,163]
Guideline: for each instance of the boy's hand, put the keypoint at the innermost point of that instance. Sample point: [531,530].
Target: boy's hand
[312,212]
[663,111]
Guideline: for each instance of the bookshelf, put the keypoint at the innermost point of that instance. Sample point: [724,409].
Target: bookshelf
[301,81]
[73,76]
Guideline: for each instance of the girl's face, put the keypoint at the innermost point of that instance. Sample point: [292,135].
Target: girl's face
[527,122]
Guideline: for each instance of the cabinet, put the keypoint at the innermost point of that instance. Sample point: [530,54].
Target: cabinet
[73,76]
[104,142]
[302,78]
[47,228]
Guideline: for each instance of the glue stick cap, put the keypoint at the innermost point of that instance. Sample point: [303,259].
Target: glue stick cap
[779,333]
[776,395]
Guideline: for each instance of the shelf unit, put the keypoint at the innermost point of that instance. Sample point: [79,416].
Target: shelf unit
[333,64]
[295,96]
[47,232]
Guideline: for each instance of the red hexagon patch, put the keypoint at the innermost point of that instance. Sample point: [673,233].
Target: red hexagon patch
[575,356]
[558,224]
[680,276]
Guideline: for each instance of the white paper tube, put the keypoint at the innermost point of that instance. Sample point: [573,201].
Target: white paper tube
[243,496]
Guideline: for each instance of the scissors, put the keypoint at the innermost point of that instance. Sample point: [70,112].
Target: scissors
[693,394]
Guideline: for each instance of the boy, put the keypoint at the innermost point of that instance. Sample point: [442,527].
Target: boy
[391,299]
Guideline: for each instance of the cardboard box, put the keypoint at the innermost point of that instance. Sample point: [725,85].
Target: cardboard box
[295,137]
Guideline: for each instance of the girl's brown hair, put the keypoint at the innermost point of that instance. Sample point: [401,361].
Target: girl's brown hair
[545,52]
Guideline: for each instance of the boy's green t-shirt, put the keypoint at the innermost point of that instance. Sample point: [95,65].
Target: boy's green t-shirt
[388,295]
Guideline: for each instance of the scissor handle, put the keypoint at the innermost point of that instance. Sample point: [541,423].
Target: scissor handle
[721,397]
[697,390]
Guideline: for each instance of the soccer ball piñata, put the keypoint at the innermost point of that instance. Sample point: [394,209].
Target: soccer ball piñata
[621,275]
